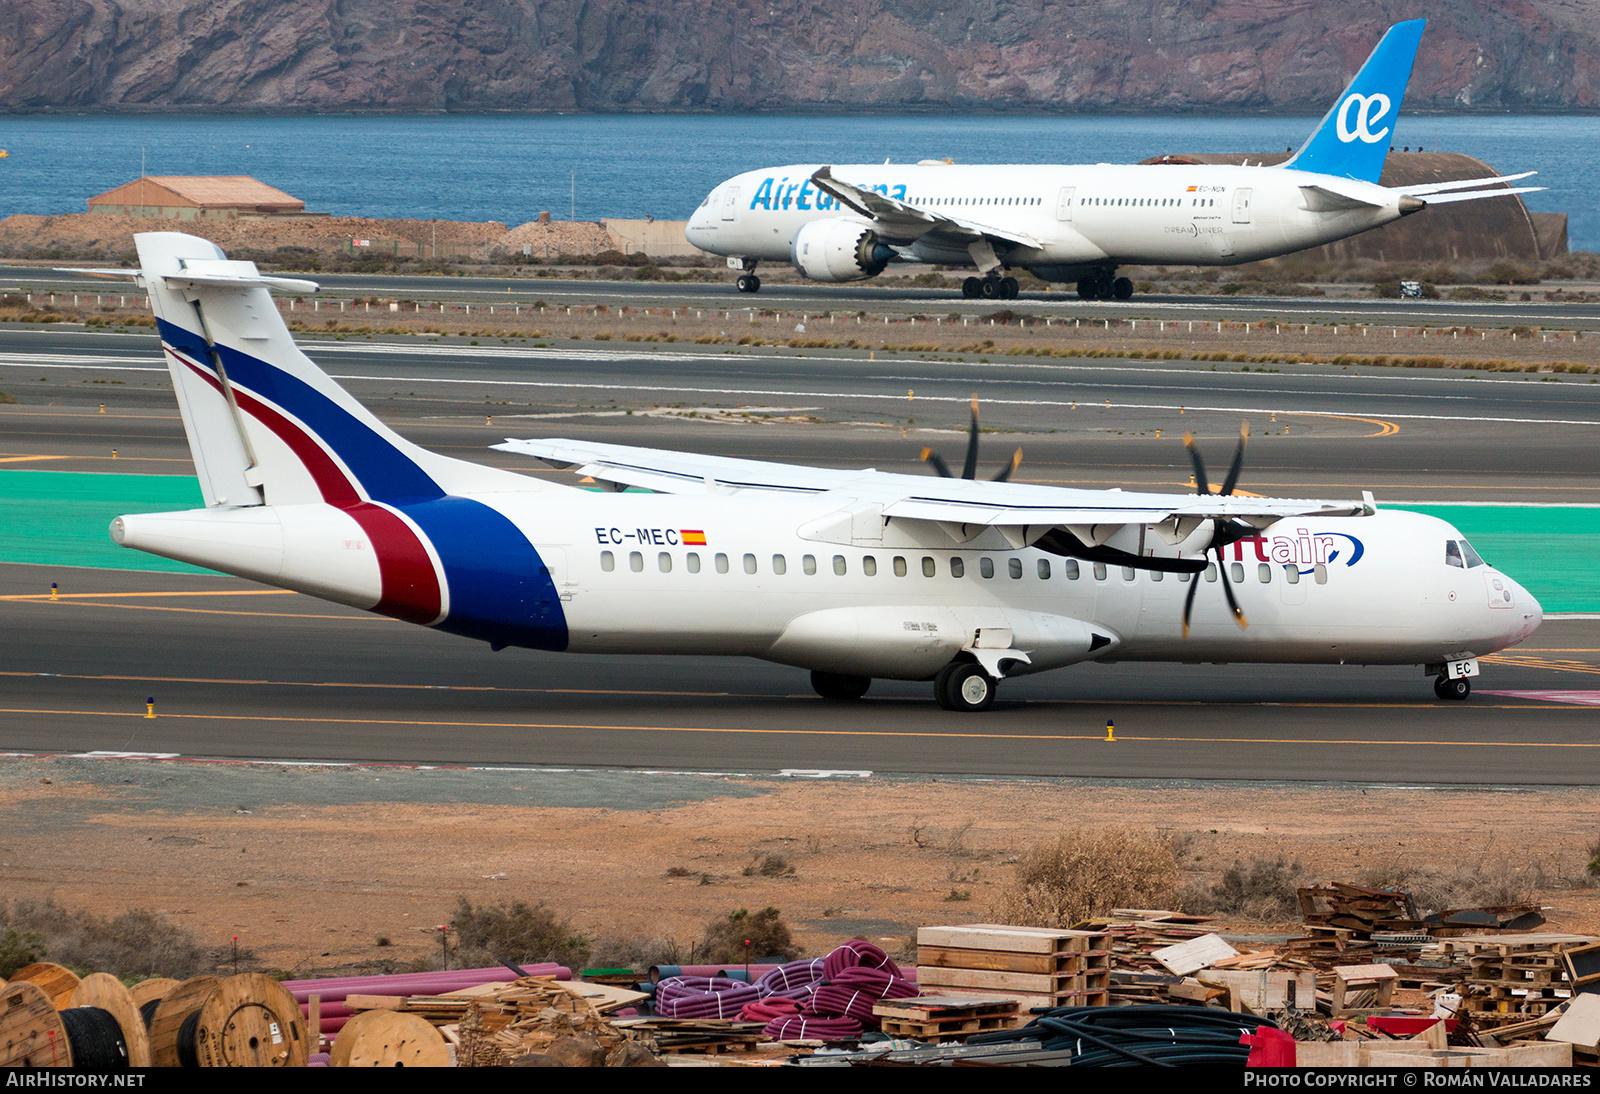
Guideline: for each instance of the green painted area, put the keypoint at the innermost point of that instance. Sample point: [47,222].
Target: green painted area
[1553,551]
[61,518]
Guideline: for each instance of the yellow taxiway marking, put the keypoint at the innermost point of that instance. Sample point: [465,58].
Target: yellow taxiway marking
[1385,429]
[25,459]
[98,600]
[732,730]
[1530,661]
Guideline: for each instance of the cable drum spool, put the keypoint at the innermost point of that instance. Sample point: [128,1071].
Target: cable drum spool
[387,1038]
[104,992]
[170,1014]
[250,1020]
[56,981]
[31,1031]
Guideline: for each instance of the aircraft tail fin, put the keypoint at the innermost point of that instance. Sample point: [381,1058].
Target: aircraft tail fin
[1352,139]
[265,424]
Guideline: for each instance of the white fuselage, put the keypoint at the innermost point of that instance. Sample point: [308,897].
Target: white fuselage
[778,578]
[1081,216]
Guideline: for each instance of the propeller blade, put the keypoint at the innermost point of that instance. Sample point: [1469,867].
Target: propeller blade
[1188,603]
[969,469]
[1005,472]
[930,456]
[1227,590]
[1201,484]
[1238,459]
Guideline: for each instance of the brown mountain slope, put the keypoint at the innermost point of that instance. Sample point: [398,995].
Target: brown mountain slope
[1133,55]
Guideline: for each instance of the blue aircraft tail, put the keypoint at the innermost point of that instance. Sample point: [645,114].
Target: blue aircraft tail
[1352,139]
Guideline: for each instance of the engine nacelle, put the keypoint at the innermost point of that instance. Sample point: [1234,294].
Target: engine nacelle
[838,249]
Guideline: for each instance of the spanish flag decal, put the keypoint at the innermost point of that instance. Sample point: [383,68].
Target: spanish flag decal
[692,537]
[1191,189]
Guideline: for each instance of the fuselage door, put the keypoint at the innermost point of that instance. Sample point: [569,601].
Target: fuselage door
[730,203]
[1064,202]
[1241,205]
[553,564]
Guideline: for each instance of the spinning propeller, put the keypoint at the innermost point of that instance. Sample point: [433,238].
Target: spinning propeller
[969,467]
[1223,533]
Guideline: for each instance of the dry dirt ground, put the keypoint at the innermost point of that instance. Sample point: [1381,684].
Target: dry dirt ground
[310,866]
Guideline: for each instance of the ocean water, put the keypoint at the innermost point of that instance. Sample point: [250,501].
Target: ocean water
[510,168]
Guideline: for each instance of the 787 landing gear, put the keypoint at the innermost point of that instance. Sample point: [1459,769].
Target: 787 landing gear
[1100,285]
[990,288]
[748,282]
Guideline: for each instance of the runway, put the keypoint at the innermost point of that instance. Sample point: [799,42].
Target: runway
[259,674]
[894,299]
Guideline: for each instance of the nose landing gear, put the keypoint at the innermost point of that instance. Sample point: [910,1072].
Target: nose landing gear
[748,283]
[990,288]
[1459,688]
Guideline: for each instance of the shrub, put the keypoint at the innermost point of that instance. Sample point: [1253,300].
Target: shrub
[135,943]
[1259,889]
[522,933]
[765,930]
[1062,881]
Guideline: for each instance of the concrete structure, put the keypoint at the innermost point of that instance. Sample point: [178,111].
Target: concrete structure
[1463,231]
[196,197]
[656,238]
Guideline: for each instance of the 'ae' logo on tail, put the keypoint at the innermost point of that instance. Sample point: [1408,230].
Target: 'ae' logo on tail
[1368,109]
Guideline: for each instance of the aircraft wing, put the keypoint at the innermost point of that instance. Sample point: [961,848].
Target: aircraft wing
[903,223]
[1081,523]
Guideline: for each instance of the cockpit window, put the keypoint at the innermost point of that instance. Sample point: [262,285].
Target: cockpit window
[1470,555]
[1452,554]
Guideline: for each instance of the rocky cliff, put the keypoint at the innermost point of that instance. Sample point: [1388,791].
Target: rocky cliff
[1070,55]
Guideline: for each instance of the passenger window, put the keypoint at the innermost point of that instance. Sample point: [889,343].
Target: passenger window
[1128,573]
[808,563]
[1291,574]
[838,565]
[1044,569]
[1321,574]
[957,568]
[692,562]
[1185,577]
[869,565]
[1070,568]
[1452,554]
[1264,573]
[1099,571]
[749,564]
[780,565]
[1470,555]
[899,566]
[1211,571]
[664,561]
[636,562]
[928,567]
[986,567]
[1157,575]
[1014,568]
[1236,572]
[722,563]
[608,561]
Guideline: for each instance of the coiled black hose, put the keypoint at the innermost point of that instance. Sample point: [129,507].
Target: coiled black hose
[1151,1036]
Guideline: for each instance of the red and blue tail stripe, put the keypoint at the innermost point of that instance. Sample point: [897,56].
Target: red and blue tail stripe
[444,560]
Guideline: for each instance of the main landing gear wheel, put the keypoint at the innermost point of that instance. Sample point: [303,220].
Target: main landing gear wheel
[1452,689]
[990,288]
[748,283]
[839,687]
[1122,289]
[965,687]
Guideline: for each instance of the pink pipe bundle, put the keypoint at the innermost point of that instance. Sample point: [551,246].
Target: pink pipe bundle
[334,990]
[703,997]
[800,1028]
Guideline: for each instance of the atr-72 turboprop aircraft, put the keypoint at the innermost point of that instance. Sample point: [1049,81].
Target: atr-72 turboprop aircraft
[851,574]
[1079,223]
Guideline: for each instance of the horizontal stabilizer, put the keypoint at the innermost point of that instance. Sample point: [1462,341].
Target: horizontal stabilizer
[1474,195]
[82,272]
[1424,188]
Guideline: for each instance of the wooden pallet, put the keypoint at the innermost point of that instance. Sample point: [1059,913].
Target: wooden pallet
[948,1017]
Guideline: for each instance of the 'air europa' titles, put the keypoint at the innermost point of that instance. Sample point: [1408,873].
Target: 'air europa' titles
[652,537]
[783,194]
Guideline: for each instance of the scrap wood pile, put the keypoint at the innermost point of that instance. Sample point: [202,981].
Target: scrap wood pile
[1340,916]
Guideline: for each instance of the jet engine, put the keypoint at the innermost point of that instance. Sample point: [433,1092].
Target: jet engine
[838,250]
